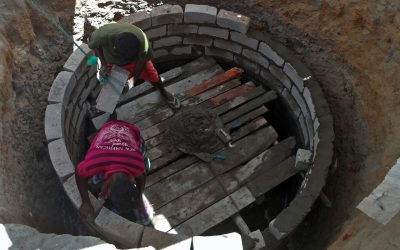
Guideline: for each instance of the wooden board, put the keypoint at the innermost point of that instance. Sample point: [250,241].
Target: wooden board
[158,116]
[236,100]
[143,106]
[215,214]
[249,106]
[235,178]
[245,149]
[182,182]
[161,127]
[170,169]
[178,184]
[271,177]
[211,93]
[175,74]
[192,203]
[164,112]
[229,95]
[215,81]
[245,118]
[180,164]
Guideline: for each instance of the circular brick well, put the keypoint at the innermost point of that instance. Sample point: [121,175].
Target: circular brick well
[180,34]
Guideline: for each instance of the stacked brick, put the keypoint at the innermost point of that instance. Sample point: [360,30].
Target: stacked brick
[188,33]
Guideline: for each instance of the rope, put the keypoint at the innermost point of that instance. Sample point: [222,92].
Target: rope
[91,59]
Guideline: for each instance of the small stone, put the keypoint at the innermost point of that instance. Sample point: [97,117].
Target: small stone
[303,159]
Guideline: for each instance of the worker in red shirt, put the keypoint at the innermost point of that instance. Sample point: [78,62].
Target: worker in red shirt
[127,46]
[115,165]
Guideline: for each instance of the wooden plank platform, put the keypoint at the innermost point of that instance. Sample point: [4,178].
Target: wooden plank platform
[191,195]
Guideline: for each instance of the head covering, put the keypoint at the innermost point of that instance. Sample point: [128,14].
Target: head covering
[126,46]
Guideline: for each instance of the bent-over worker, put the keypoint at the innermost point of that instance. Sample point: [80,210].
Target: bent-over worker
[127,46]
[115,165]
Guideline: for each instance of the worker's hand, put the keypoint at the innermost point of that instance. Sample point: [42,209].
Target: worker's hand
[86,210]
[104,71]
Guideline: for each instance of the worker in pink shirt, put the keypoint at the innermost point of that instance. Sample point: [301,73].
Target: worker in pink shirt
[115,165]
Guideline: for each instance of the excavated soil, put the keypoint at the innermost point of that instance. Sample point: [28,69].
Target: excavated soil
[352,47]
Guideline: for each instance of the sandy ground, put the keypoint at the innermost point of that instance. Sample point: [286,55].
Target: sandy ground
[352,47]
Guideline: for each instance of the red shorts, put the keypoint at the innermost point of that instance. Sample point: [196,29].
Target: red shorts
[149,73]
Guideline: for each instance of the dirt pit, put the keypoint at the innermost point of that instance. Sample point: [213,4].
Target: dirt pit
[350,46]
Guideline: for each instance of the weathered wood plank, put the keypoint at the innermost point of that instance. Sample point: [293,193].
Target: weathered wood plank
[272,177]
[177,184]
[164,112]
[239,100]
[192,203]
[215,81]
[248,128]
[211,93]
[159,115]
[171,169]
[216,213]
[166,158]
[245,149]
[247,117]
[155,141]
[180,164]
[235,178]
[208,218]
[247,107]
[229,95]
[161,127]
[143,106]
[196,174]
[175,74]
